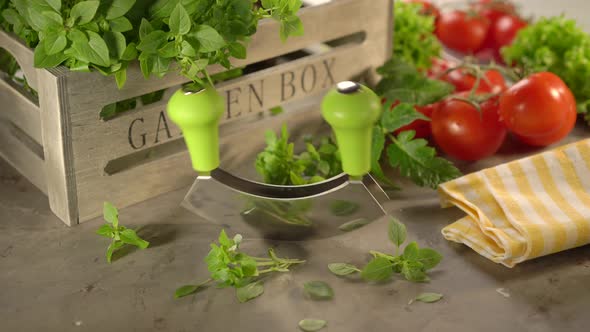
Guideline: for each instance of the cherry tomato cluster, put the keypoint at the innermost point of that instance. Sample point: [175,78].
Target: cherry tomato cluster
[481,30]
[473,123]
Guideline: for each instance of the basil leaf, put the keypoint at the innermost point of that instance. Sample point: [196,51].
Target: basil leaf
[378,269]
[153,41]
[237,50]
[83,12]
[414,271]
[354,224]
[318,290]
[343,208]
[130,237]
[145,28]
[179,23]
[43,21]
[291,26]
[77,36]
[312,325]
[429,258]
[121,77]
[411,251]
[397,232]
[429,297]
[249,292]
[112,248]
[210,40]
[105,230]
[110,214]
[119,8]
[116,43]
[55,42]
[224,240]
[168,50]
[130,53]
[342,269]
[120,24]
[187,290]
[44,60]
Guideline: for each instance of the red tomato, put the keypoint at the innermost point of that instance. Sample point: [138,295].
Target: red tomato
[421,127]
[427,8]
[539,109]
[464,81]
[462,32]
[465,134]
[494,9]
[504,30]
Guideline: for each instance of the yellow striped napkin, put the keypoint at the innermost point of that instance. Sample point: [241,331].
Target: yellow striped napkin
[526,208]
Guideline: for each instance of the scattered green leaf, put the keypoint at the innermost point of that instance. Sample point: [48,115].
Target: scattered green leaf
[249,292]
[312,325]
[318,290]
[354,224]
[343,208]
[429,297]
[342,269]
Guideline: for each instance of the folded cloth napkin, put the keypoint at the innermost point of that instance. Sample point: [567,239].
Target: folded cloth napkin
[526,208]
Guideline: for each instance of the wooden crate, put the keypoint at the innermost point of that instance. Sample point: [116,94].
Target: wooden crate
[60,144]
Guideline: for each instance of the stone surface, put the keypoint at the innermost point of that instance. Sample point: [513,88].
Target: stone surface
[55,278]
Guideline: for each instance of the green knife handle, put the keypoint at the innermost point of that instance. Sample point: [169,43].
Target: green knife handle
[197,114]
[352,110]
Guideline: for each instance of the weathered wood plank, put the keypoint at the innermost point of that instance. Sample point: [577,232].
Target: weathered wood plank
[21,157]
[56,131]
[22,54]
[20,110]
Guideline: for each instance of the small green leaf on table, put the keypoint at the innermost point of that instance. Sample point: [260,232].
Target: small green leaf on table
[342,269]
[343,208]
[312,325]
[354,224]
[429,297]
[187,290]
[250,291]
[318,290]
[378,269]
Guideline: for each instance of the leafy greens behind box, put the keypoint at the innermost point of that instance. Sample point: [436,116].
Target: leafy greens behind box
[164,35]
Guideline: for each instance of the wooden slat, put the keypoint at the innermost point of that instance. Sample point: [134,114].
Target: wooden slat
[175,171]
[22,54]
[322,23]
[20,110]
[150,126]
[21,157]
[56,131]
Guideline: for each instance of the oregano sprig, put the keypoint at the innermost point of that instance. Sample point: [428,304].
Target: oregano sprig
[229,267]
[413,263]
[119,234]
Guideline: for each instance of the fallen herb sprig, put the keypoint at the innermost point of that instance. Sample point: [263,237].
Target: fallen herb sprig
[427,298]
[229,267]
[413,263]
[119,235]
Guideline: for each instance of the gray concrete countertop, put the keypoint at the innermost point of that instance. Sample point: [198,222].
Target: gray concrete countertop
[55,278]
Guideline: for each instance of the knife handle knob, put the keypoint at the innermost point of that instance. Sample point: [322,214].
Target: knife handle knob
[197,114]
[352,110]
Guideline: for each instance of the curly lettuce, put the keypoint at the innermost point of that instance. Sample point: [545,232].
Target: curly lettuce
[414,40]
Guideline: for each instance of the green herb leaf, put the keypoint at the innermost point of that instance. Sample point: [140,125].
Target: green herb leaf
[116,43]
[114,246]
[111,214]
[429,258]
[153,41]
[105,230]
[414,271]
[397,232]
[342,269]
[429,297]
[249,292]
[312,325]
[209,39]
[318,290]
[119,8]
[55,42]
[291,26]
[187,290]
[237,50]
[411,252]
[401,115]
[343,208]
[120,24]
[418,161]
[145,28]
[121,77]
[179,23]
[129,236]
[378,269]
[354,224]
[83,12]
